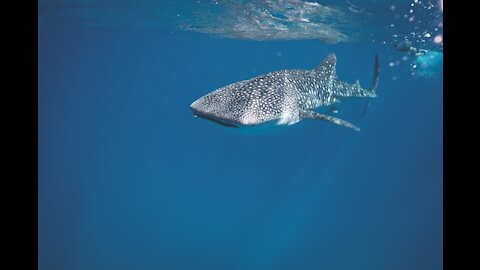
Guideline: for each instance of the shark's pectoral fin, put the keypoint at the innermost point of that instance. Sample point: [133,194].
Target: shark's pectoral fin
[314,115]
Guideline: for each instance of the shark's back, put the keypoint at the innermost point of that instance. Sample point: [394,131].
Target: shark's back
[270,96]
[255,101]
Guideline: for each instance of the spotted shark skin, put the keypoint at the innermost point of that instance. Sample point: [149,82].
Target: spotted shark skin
[284,97]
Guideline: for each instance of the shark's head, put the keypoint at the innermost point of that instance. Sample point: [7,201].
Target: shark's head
[206,108]
[213,108]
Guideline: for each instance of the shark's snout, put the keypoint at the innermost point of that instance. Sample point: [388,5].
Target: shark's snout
[198,107]
[200,110]
[194,106]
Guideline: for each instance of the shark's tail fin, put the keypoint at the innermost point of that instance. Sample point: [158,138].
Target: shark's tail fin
[376,76]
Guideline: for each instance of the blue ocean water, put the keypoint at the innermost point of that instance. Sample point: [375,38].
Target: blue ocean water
[128,179]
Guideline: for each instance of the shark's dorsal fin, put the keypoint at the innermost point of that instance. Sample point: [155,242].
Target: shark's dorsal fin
[357,85]
[328,65]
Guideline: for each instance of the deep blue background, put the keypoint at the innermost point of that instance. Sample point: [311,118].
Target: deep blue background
[128,179]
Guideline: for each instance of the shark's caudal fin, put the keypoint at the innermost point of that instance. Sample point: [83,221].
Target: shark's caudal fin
[376,76]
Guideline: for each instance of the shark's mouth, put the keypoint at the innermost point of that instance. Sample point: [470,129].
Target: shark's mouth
[214,119]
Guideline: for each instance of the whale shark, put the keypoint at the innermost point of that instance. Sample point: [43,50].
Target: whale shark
[283,97]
